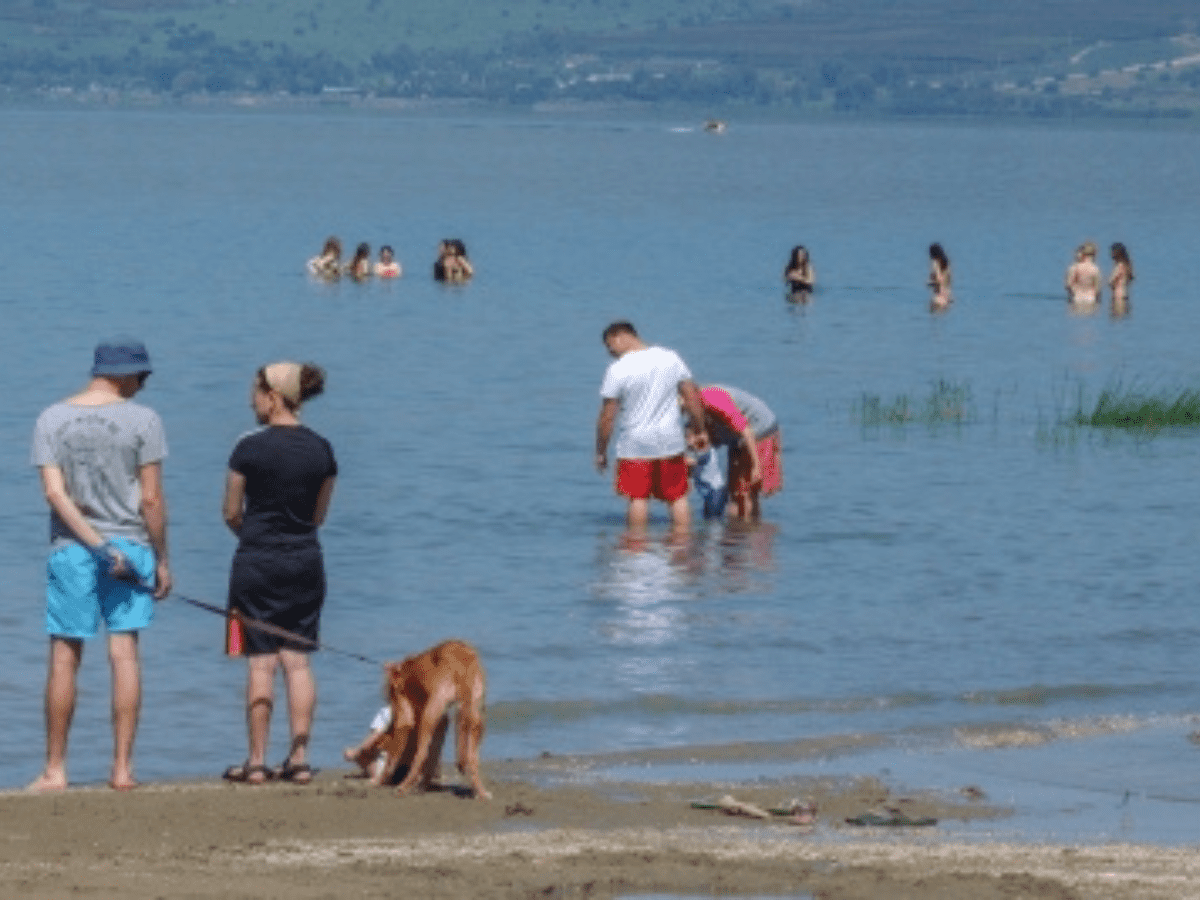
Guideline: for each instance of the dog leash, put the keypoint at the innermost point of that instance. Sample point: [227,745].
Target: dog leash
[275,630]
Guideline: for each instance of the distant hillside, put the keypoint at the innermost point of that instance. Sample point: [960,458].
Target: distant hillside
[936,34]
[347,30]
[850,56]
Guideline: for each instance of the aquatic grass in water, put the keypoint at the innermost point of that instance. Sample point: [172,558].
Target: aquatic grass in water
[1137,409]
[1142,412]
[947,403]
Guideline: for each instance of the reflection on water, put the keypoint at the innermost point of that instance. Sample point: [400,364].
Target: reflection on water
[723,557]
[648,579]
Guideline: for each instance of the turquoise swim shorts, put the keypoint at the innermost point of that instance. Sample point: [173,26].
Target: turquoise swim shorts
[79,595]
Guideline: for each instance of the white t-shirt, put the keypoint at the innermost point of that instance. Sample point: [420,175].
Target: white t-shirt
[646,384]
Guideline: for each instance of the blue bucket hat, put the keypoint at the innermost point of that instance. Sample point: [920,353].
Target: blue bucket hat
[121,356]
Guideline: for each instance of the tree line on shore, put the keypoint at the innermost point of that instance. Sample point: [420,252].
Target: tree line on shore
[782,63]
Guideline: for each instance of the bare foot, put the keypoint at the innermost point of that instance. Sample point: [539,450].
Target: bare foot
[47,784]
[123,785]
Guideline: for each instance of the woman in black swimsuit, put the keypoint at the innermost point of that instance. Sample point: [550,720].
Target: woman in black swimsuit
[799,273]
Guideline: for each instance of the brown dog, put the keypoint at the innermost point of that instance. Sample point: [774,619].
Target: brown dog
[420,689]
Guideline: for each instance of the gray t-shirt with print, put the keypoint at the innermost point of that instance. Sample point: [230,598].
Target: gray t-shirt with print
[100,450]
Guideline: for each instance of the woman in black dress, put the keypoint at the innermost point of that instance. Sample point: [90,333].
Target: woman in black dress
[277,493]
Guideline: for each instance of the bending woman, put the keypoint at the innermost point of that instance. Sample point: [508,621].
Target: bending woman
[740,421]
[277,494]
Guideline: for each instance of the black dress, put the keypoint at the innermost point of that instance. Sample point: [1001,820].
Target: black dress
[278,573]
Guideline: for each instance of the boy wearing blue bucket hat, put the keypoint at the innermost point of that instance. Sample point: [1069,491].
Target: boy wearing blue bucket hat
[99,455]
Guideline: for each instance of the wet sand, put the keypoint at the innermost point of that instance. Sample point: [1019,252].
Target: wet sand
[340,837]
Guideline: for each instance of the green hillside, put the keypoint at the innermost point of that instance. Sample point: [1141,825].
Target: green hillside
[885,56]
[348,30]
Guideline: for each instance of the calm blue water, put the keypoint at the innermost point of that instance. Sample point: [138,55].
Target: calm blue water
[949,581]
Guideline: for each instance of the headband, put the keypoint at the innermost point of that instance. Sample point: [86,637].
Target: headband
[284,379]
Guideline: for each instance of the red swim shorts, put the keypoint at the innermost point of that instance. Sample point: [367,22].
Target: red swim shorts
[665,479]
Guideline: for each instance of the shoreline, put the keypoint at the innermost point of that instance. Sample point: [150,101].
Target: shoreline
[112,99]
[340,836]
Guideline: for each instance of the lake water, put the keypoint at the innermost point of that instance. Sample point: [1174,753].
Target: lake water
[962,590]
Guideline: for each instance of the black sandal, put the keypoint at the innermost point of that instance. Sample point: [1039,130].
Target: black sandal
[244,773]
[296,773]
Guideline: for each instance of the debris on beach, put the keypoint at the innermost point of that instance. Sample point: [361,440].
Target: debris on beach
[733,807]
[797,811]
[891,817]
[794,811]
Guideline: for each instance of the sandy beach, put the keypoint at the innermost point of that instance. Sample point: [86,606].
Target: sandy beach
[341,837]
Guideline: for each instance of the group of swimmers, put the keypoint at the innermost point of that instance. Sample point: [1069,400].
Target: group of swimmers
[1084,282]
[452,264]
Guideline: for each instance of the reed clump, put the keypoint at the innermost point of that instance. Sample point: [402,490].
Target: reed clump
[948,402]
[1135,409]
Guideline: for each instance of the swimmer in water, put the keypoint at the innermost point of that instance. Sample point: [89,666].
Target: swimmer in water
[1083,277]
[452,264]
[327,264]
[359,268]
[387,267]
[1122,274]
[939,278]
[799,274]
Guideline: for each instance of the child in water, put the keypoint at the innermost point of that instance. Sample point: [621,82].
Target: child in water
[705,463]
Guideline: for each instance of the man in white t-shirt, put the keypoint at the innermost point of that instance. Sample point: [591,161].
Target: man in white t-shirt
[640,395]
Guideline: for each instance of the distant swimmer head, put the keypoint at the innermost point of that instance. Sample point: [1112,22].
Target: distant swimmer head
[939,255]
[386,254]
[362,251]
[457,247]
[799,257]
[1087,250]
[333,247]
